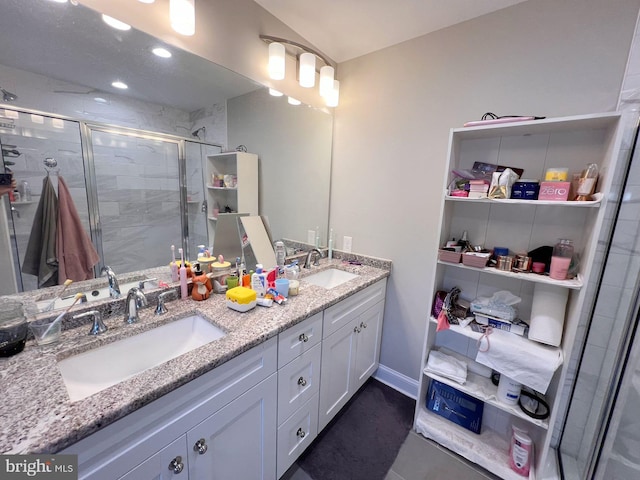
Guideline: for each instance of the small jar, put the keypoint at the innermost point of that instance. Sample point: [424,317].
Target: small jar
[561,259]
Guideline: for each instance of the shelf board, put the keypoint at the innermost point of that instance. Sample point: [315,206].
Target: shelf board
[574,284]
[510,201]
[481,388]
[211,187]
[17,204]
[489,449]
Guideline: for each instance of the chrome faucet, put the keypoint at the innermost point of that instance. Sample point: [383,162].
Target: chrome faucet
[98,325]
[161,309]
[114,287]
[307,262]
[135,301]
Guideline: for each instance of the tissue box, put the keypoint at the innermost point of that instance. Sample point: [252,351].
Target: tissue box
[558,191]
[456,406]
[241,299]
[517,326]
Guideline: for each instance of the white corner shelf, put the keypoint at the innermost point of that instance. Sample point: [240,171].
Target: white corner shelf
[573,284]
[595,203]
[211,187]
[483,389]
[489,449]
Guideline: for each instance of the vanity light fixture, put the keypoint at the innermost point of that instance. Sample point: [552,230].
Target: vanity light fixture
[119,84]
[161,52]
[146,1]
[333,97]
[307,59]
[114,23]
[182,14]
[293,101]
[275,93]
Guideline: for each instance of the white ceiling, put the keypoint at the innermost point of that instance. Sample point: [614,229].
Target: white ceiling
[346,29]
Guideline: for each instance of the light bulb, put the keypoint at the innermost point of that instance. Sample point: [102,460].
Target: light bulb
[161,52]
[293,101]
[326,80]
[276,61]
[114,23]
[274,93]
[333,97]
[307,70]
[182,14]
[120,85]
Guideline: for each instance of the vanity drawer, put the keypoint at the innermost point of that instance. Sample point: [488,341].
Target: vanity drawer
[298,381]
[296,434]
[299,339]
[343,312]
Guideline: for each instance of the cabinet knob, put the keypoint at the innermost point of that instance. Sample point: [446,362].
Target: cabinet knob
[200,447]
[176,465]
[301,433]
[302,382]
[303,338]
[363,325]
[357,329]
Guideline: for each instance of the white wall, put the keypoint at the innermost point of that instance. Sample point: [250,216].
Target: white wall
[539,57]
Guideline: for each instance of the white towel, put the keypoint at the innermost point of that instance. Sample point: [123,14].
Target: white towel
[526,362]
[446,366]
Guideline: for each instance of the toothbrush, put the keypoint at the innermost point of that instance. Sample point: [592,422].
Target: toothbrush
[49,307]
[184,290]
[173,265]
[79,295]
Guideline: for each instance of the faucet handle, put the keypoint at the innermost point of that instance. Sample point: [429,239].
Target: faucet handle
[98,325]
[142,282]
[161,309]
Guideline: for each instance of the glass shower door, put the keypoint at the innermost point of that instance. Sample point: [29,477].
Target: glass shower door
[138,196]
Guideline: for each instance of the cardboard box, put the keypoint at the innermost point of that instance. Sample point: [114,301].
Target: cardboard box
[556,191]
[456,406]
[517,326]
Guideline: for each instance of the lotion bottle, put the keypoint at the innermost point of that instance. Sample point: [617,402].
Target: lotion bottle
[259,281]
[184,290]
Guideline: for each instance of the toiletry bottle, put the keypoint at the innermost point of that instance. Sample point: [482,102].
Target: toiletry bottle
[520,452]
[330,252]
[587,183]
[317,241]
[259,282]
[173,265]
[281,253]
[184,289]
[561,259]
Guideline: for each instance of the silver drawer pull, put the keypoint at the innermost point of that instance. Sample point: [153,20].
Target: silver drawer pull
[200,446]
[300,433]
[303,338]
[302,382]
[357,329]
[176,465]
[363,325]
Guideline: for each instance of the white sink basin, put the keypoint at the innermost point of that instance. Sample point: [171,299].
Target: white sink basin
[92,371]
[93,295]
[329,278]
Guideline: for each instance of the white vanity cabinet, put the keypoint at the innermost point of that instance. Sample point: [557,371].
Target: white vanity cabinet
[232,408]
[521,226]
[350,347]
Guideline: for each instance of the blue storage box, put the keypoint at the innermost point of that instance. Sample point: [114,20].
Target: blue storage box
[455,406]
[525,190]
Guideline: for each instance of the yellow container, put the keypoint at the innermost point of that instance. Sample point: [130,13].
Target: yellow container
[241,299]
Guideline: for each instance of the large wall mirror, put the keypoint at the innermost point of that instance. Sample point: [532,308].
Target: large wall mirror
[60,60]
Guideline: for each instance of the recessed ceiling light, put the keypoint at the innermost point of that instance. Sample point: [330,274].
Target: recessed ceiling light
[275,93]
[117,24]
[293,101]
[119,84]
[100,100]
[161,52]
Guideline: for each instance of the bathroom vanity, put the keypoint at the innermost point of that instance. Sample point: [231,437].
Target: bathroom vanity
[243,406]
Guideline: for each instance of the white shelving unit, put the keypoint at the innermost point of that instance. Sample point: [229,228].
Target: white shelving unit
[241,198]
[520,225]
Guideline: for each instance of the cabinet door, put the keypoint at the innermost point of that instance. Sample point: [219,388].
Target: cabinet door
[368,343]
[239,440]
[336,372]
[168,464]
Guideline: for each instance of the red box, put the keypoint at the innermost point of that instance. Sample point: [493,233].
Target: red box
[557,191]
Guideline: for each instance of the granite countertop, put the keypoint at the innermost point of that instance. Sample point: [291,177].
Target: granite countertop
[36,414]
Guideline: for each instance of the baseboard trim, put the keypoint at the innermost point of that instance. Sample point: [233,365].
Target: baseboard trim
[396,380]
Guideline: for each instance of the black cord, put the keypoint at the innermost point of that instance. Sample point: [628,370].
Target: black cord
[540,402]
[493,116]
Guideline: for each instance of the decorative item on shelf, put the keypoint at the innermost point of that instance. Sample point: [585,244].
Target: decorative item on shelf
[586,183]
[202,287]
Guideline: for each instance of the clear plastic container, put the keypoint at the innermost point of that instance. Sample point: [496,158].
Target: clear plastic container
[13,327]
[561,259]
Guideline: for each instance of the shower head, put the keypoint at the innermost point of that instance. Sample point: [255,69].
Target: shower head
[8,96]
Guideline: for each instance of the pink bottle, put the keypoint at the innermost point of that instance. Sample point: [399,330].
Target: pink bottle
[561,259]
[520,452]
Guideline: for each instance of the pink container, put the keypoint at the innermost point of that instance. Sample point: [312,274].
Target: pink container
[520,452]
[556,191]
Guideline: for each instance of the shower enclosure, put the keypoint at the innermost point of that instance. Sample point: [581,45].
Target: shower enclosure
[136,192]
